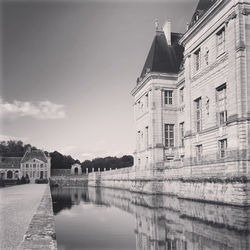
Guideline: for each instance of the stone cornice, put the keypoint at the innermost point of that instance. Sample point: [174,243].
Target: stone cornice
[199,25]
[232,16]
[153,76]
[245,11]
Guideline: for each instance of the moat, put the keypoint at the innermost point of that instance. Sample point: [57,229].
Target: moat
[103,218]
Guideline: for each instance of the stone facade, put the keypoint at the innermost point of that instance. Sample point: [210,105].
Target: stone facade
[10,168]
[199,117]
[35,164]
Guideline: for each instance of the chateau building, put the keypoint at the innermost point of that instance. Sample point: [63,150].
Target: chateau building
[35,164]
[192,99]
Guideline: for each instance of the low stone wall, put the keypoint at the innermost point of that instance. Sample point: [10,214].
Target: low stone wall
[41,233]
[60,172]
[69,180]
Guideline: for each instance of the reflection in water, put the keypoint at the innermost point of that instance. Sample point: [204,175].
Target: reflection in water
[101,218]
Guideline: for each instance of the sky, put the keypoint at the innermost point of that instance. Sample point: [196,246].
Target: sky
[67,69]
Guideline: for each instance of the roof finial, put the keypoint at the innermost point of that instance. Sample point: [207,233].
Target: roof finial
[156,24]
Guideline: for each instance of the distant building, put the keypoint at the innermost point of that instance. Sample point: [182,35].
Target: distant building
[10,167]
[35,164]
[192,99]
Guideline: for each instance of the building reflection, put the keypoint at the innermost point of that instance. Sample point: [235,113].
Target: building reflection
[168,223]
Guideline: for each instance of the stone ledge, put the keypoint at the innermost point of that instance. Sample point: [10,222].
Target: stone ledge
[41,233]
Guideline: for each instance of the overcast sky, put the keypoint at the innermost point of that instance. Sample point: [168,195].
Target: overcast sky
[68,67]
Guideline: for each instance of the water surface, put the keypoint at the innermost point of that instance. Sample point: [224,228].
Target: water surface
[101,218]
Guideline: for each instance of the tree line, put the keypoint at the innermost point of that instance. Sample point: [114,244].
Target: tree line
[14,148]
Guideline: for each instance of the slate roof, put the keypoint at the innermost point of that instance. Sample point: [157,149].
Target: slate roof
[164,58]
[10,162]
[202,7]
[34,154]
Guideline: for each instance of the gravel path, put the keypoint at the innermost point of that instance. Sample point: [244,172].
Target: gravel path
[18,204]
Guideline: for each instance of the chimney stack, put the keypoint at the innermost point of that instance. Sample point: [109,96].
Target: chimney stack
[167,31]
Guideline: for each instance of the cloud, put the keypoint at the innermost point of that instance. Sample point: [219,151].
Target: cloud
[43,110]
[10,137]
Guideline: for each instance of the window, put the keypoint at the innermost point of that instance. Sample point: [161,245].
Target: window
[27,165]
[146,137]
[45,174]
[222,148]
[168,97]
[220,41]
[182,95]
[146,97]
[198,110]
[169,135]
[198,152]
[207,56]
[197,59]
[139,106]
[221,93]
[139,140]
[182,134]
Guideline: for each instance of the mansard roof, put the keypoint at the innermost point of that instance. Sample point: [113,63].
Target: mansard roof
[34,154]
[164,58]
[201,9]
[10,162]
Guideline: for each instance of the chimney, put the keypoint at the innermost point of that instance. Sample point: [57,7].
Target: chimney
[167,31]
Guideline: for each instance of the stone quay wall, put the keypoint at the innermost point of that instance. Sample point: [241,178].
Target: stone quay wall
[41,233]
[234,189]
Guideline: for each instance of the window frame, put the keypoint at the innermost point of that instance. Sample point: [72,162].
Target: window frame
[221,41]
[223,150]
[181,128]
[181,95]
[168,131]
[197,60]
[221,104]
[199,152]
[168,97]
[146,136]
[198,110]
[147,102]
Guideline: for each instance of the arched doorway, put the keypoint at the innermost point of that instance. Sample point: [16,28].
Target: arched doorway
[9,175]
[76,171]
[16,174]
